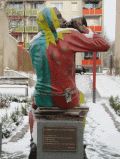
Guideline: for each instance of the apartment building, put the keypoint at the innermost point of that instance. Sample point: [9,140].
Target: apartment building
[92,10]
[68,8]
[22,20]
[22,15]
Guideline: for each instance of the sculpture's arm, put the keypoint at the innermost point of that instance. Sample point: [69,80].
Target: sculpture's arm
[80,42]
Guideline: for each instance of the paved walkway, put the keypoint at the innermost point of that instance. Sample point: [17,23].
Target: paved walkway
[116,123]
[15,139]
[19,135]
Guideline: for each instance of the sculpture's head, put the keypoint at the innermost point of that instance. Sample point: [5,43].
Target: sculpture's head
[62,21]
[48,22]
[50,18]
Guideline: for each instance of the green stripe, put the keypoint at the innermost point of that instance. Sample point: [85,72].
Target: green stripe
[40,63]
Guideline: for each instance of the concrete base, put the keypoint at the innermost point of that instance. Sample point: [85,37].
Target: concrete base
[0,138]
[49,148]
[60,136]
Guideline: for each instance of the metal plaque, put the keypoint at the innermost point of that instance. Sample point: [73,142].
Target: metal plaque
[59,139]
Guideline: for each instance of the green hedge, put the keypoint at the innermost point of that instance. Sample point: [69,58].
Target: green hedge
[115,104]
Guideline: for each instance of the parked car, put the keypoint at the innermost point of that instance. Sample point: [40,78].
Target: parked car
[80,69]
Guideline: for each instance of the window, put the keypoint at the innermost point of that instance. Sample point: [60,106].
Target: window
[59,6]
[15,23]
[89,55]
[28,5]
[18,6]
[94,21]
[15,5]
[32,21]
[91,5]
[75,6]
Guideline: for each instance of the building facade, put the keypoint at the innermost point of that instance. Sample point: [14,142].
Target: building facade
[68,8]
[22,20]
[117,39]
[93,12]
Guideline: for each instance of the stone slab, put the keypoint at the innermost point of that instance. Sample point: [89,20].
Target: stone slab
[59,139]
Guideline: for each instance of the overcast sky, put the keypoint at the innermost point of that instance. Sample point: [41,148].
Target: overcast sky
[109,18]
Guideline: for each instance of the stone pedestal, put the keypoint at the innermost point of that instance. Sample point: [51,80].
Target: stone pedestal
[60,134]
[0,138]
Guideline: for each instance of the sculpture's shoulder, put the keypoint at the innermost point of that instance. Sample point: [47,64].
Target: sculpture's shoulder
[71,31]
[66,29]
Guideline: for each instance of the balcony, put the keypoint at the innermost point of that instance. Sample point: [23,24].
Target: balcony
[31,29]
[19,29]
[31,12]
[27,29]
[96,28]
[16,12]
[89,62]
[92,11]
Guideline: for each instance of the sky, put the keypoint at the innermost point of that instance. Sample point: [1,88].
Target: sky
[109,18]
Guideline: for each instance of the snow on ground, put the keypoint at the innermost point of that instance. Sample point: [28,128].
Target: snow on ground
[108,86]
[13,106]
[84,84]
[22,145]
[101,136]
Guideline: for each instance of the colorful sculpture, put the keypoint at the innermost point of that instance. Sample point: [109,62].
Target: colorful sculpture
[52,52]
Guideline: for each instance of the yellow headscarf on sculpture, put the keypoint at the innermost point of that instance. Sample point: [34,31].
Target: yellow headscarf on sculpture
[46,20]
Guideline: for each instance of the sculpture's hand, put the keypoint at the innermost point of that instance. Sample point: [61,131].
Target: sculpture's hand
[90,33]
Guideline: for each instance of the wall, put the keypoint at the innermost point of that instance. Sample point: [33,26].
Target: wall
[10,53]
[2,32]
[69,9]
[8,45]
[117,38]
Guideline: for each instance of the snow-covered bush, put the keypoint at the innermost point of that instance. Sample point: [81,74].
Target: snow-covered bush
[7,126]
[16,116]
[24,110]
[13,115]
[4,101]
[19,99]
[10,122]
[115,103]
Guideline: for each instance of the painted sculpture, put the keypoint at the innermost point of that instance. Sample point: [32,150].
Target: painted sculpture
[52,53]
